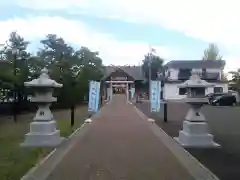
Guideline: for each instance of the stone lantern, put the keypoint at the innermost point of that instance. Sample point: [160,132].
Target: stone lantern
[195,131]
[43,132]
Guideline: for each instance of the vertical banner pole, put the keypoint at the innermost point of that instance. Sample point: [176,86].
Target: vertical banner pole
[132,93]
[127,93]
[97,96]
[94,90]
[159,96]
[155,96]
[111,91]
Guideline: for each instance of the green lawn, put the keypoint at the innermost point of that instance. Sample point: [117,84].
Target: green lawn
[16,161]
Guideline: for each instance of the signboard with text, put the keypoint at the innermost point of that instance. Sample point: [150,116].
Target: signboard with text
[132,90]
[94,90]
[118,78]
[155,96]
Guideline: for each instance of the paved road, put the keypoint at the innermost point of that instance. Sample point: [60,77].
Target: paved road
[119,145]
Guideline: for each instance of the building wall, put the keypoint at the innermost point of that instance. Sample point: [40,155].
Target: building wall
[173,73]
[211,89]
[171,90]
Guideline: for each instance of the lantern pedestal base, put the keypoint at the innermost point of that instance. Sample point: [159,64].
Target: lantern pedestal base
[42,134]
[195,134]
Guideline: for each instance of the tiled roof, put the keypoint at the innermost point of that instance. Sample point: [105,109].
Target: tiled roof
[196,64]
[137,73]
[134,71]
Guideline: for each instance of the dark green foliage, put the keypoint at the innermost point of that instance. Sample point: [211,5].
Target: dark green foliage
[212,53]
[156,63]
[235,81]
[73,68]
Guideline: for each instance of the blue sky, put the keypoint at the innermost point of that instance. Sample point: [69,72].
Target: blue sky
[122,30]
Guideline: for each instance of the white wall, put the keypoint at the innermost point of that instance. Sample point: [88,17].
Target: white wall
[223,85]
[197,70]
[173,73]
[209,90]
[171,90]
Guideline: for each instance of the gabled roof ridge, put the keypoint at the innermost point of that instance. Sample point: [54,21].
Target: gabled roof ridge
[130,70]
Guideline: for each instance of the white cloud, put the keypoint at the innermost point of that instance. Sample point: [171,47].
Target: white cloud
[213,20]
[111,50]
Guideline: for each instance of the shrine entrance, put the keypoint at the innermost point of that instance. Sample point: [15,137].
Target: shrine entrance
[118,82]
[119,88]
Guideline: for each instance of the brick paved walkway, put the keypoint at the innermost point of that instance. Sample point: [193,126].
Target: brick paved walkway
[119,145]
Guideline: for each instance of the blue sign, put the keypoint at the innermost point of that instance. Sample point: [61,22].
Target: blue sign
[155,96]
[94,90]
[108,94]
[91,99]
[97,95]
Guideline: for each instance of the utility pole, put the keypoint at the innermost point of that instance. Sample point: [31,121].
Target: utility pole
[150,56]
[149,73]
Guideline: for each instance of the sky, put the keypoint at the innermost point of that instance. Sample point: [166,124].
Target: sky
[123,30]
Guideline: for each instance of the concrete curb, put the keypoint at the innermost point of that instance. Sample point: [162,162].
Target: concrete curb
[193,166]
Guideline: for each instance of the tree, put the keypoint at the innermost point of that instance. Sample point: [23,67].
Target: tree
[70,67]
[212,53]
[91,68]
[73,68]
[6,75]
[235,81]
[15,53]
[56,56]
[54,48]
[19,45]
[156,65]
[35,65]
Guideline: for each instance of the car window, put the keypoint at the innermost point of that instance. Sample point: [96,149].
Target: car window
[227,97]
[217,97]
